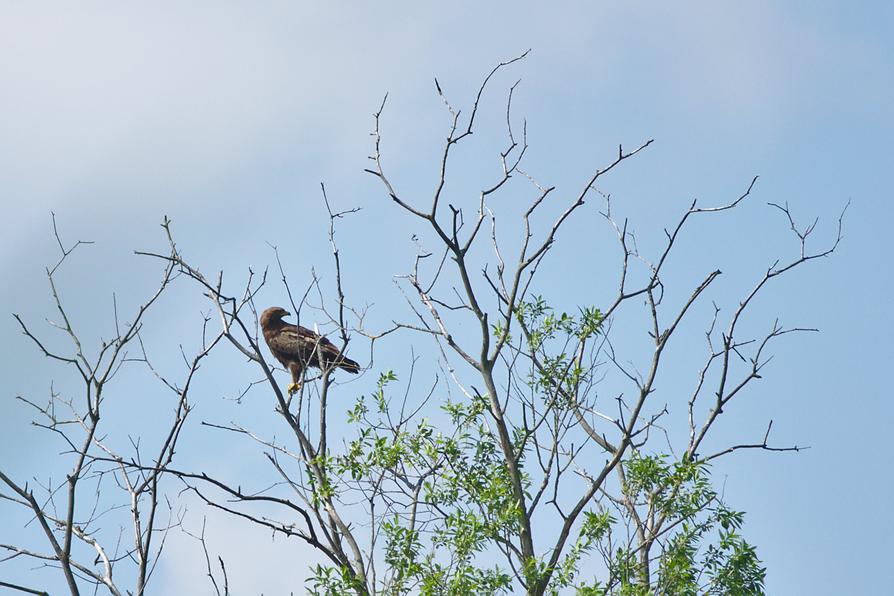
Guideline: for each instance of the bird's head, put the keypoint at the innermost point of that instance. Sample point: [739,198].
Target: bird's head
[273,314]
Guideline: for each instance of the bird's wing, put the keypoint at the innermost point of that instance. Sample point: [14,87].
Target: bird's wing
[294,341]
[299,344]
[297,339]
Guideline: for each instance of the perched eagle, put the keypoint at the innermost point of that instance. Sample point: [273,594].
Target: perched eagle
[297,347]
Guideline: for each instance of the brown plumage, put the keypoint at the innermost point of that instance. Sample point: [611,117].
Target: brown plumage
[297,347]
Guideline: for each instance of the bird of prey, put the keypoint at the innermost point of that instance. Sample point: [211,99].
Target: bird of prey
[297,347]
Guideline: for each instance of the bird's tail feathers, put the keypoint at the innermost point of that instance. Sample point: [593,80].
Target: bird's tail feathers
[349,365]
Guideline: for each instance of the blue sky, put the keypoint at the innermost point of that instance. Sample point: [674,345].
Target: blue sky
[226,117]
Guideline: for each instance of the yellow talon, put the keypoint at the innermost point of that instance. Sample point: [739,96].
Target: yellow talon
[293,388]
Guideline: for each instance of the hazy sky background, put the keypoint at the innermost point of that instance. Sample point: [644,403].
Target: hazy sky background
[113,115]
